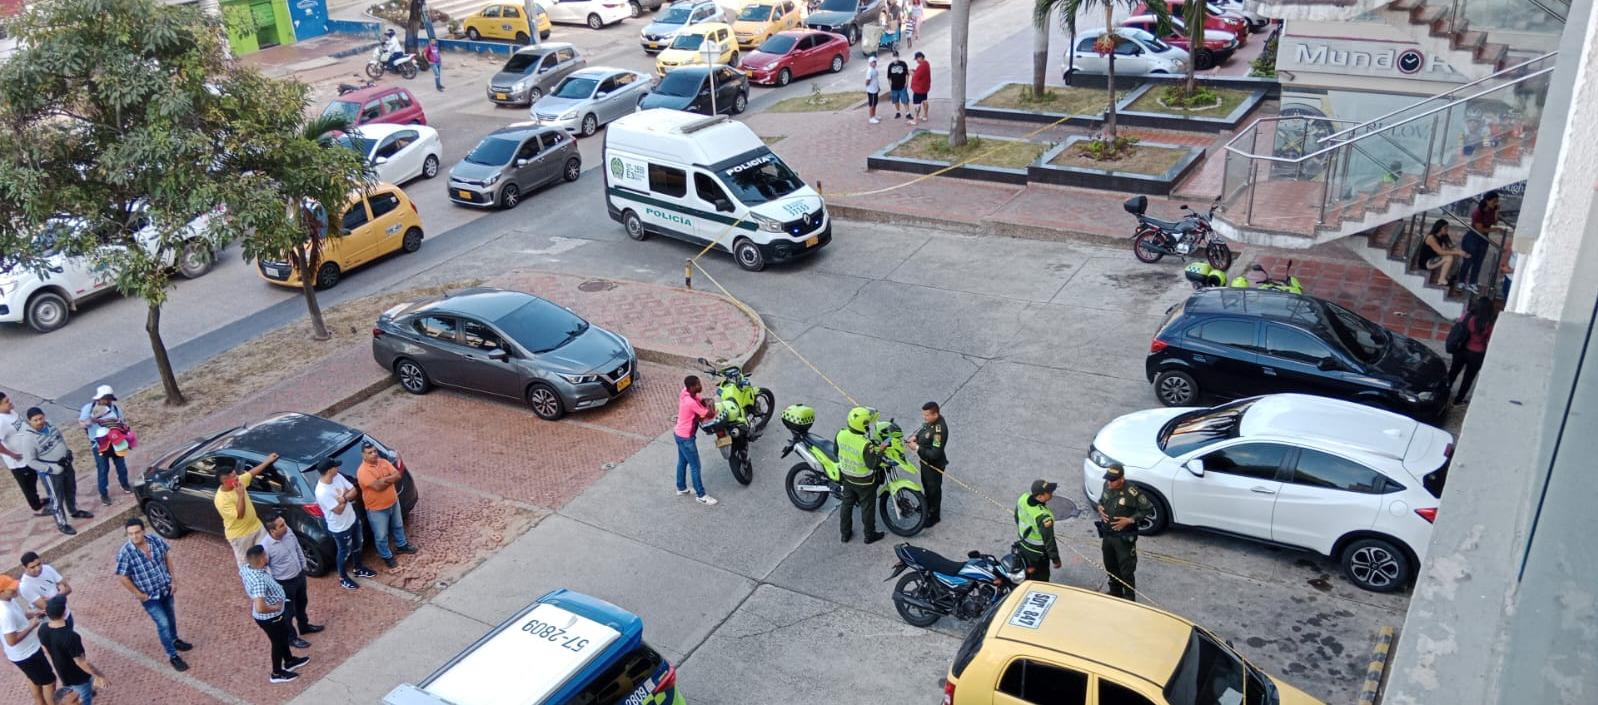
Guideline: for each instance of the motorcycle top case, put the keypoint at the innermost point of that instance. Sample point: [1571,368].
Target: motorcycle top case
[1136,205]
[799,418]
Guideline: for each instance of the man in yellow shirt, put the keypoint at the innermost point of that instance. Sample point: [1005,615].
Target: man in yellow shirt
[239,524]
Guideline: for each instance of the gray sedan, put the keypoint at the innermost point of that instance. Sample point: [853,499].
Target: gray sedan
[590,98]
[508,344]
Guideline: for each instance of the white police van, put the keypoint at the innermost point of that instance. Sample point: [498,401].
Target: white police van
[709,179]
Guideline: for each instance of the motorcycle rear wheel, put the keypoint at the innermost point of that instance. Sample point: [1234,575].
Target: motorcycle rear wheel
[743,470]
[375,70]
[1140,247]
[1219,255]
[408,70]
[911,514]
[801,474]
[914,585]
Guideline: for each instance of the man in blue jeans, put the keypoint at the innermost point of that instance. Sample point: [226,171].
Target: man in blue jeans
[377,478]
[97,418]
[145,570]
[690,411]
[336,496]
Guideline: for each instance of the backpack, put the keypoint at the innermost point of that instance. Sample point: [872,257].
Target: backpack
[1457,336]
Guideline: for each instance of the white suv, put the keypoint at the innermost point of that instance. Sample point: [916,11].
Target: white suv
[1345,480]
[44,301]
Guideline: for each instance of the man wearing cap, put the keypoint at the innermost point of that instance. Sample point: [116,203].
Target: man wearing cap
[336,496]
[19,633]
[240,525]
[1035,523]
[1121,507]
[97,418]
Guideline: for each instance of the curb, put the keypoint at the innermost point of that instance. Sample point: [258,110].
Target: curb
[985,227]
[1377,669]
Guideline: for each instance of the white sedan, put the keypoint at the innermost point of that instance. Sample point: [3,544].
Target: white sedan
[1137,53]
[396,153]
[1345,480]
[597,14]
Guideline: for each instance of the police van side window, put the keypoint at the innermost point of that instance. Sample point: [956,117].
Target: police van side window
[1043,684]
[667,181]
[707,189]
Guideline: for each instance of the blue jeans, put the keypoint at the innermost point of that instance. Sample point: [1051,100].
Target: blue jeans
[1470,269]
[438,77]
[688,458]
[102,468]
[161,612]
[85,692]
[349,549]
[384,523]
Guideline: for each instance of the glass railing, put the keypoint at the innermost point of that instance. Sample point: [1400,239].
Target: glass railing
[1519,16]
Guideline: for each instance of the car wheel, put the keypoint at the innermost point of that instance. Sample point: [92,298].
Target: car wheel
[545,402]
[748,255]
[162,521]
[1159,519]
[733,60]
[1376,565]
[1203,60]
[740,104]
[534,94]
[430,167]
[522,38]
[327,275]
[634,10]
[574,169]
[412,377]
[590,125]
[195,260]
[509,197]
[47,311]
[854,35]
[837,63]
[317,564]
[471,33]
[784,77]
[1176,388]
[595,23]
[412,241]
[633,225]
[543,34]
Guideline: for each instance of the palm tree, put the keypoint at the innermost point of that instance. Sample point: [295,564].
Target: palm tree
[1040,58]
[959,50]
[1067,11]
[315,219]
[1194,15]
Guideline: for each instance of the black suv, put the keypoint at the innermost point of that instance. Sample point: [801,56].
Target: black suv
[1242,342]
[179,491]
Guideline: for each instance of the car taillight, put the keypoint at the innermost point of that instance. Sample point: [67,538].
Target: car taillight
[377,332]
[1157,346]
[948,693]
[399,462]
[1428,513]
[1448,451]
[313,509]
[668,681]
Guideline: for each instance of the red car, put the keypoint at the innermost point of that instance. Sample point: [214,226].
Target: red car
[1218,46]
[794,53]
[379,104]
[1215,20]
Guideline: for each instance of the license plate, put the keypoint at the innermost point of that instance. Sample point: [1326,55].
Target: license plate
[813,241]
[624,382]
[463,193]
[723,441]
[502,96]
[1033,607]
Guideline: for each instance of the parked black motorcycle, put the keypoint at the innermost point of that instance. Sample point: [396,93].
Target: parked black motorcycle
[940,587]
[1153,238]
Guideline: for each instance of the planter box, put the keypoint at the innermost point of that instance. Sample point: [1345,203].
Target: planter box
[976,172]
[1271,86]
[1124,181]
[1208,122]
[974,109]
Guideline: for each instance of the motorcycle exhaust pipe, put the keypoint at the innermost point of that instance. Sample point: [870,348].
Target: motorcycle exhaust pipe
[916,602]
[813,488]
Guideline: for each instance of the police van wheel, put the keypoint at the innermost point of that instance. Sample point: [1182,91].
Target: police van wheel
[1158,520]
[634,226]
[801,474]
[748,255]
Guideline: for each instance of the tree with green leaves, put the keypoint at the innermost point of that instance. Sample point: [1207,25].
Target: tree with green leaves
[1067,11]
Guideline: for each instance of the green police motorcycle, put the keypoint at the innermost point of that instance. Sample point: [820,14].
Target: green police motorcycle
[742,412]
[901,501]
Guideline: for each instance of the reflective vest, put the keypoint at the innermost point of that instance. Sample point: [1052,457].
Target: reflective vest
[1027,518]
[852,456]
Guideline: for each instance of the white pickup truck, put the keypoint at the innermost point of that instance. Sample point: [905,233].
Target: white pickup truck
[44,301]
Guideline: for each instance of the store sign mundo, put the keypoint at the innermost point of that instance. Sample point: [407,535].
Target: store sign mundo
[1355,57]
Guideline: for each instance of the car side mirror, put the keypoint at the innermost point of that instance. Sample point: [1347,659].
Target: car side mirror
[601,95]
[499,354]
[723,205]
[380,161]
[1328,364]
[521,162]
[1195,466]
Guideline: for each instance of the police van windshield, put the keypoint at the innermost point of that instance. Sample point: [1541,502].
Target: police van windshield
[759,177]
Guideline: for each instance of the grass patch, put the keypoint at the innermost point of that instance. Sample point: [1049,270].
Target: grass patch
[1056,99]
[1138,159]
[1230,99]
[817,103]
[934,146]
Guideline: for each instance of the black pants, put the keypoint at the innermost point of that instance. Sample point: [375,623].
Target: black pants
[63,489]
[280,634]
[1469,363]
[28,480]
[294,590]
[1037,565]
[932,483]
[1120,561]
[866,497]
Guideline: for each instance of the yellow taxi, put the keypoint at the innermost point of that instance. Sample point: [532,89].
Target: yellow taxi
[760,19]
[1049,643]
[382,222]
[686,49]
[504,21]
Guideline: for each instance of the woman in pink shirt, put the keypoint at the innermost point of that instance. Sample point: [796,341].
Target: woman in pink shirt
[690,411]
[1479,322]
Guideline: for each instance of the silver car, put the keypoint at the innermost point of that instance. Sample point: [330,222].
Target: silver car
[511,162]
[590,98]
[508,344]
[533,71]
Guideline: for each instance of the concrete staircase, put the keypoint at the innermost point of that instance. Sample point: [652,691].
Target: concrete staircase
[1456,33]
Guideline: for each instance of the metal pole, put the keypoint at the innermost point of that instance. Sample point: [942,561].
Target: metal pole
[530,8]
[1253,167]
[1326,191]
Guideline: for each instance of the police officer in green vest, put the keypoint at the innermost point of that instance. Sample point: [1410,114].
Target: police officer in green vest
[1035,522]
[858,460]
[928,445]
[1121,507]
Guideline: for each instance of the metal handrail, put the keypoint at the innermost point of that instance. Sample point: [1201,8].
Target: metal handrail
[1448,92]
[1378,130]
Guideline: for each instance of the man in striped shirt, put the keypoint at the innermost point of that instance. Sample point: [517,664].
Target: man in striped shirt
[267,606]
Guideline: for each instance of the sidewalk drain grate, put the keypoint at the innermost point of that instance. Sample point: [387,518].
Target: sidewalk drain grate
[593,285]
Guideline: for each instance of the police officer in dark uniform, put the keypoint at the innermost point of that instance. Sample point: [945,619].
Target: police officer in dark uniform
[1121,507]
[858,461]
[1034,521]
[928,444]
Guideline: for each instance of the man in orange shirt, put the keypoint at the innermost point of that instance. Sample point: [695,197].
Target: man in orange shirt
[377,478]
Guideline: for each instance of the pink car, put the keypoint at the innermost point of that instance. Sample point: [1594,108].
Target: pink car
[379,104]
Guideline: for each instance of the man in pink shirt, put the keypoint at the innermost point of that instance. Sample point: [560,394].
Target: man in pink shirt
[690,411]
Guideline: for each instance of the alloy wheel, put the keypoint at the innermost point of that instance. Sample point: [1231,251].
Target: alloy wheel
[412,378]
[1374,566]
[544,401]
[162,521]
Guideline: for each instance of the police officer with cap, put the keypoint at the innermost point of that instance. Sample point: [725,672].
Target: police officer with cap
[1035,523]
[929,444]
[1121,508]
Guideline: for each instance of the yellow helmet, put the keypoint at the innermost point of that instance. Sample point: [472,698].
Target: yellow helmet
[861,418]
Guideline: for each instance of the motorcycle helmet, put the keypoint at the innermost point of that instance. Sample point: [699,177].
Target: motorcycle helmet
[1014,568]
[1201,274]
[861,418]
[799,418]
[389,33]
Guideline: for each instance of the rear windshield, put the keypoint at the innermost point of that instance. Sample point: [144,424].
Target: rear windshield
[973,642]
[778,44]
[1197,429]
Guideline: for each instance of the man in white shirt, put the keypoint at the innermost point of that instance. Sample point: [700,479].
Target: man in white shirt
[20,639]
[40,582]
[11,425]
[336,496]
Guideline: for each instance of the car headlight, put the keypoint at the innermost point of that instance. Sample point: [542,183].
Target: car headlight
[568,115]
[1100,459]
[580,379]
[767,224]
[491,180]
[521,86]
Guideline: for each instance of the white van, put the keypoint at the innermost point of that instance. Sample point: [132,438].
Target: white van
[709,179]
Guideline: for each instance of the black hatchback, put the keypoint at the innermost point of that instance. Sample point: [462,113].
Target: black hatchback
[179,491]
[1232,343]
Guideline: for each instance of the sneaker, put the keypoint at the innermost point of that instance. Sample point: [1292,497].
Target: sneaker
[348,584]
[181,645]
[127,490]
[874,120]
[706,500]
[912,121]
[847,538]
[299,643]
[391,563]
[311,628]
[80,514]
[283,676]
[105,499]
[680,493]
[896,116]
[67,530]
[293,664]
[407,549]
[178,664]
[365,573]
